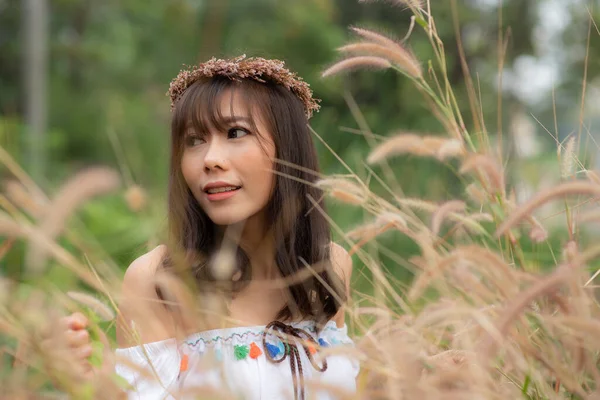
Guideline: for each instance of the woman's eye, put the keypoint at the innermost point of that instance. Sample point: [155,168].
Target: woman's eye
[193,140]
[236,133]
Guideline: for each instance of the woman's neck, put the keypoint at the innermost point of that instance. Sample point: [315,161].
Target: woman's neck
[258,245]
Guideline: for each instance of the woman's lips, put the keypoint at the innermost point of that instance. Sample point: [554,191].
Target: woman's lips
[220,196]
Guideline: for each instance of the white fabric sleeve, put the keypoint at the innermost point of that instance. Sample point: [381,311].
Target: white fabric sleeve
[151,369]
[339,336]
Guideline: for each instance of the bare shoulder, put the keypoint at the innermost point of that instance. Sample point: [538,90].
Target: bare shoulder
[139,307]
[341,262]
[342,265]
[142,270]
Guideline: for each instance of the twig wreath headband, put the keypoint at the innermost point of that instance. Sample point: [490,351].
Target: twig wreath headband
[238,68]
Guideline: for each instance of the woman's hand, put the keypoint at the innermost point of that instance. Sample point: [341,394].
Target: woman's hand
[68,350]
[78,342]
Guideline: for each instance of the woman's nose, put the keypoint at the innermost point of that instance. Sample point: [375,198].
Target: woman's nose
[216,156]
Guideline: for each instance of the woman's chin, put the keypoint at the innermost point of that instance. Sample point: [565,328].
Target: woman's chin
[225,219]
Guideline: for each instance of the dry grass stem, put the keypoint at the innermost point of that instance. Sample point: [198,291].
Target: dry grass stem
[543,287]
[82,187]
[593,176]
[559,191]
[484,317]
[97,306]
[438,216]
[489,167]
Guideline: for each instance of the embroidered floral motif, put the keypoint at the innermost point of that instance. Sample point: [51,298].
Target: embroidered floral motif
[255,351]
[273,350]
[329,336]
[240,351]
[183,365]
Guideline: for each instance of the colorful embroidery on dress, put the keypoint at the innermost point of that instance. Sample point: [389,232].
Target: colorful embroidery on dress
[217,339]
[273,350]
[255,351]
[183,365]
[240,351]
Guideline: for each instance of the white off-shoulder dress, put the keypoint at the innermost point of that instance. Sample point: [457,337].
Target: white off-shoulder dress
[246,362]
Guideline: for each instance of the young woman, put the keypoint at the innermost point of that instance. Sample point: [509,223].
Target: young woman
[242,173]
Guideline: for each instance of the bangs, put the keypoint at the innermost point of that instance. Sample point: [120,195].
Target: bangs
[200,106]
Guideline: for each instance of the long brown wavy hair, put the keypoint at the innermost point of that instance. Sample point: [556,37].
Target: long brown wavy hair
[301,232]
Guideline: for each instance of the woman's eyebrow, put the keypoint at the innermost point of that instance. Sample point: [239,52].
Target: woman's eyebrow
[235,118]
[225,120]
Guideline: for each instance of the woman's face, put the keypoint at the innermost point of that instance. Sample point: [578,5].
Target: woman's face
[230,170]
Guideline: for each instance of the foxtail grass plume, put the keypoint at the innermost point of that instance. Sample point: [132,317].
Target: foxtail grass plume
[136,198]
[79,189]
[95,305]
[487,347]
[397,53]
[438,216]
[402,59]
[9,227]
[471,224]
[485,164]
[18,194]
[450,148]
[567,158]
[344,190]
[6,286]
[403,3]
[476,193]
[559,191]
[410,143]
[381,224]
[354,63]
[538,234]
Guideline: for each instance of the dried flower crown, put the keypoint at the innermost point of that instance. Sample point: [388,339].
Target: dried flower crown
[238,68]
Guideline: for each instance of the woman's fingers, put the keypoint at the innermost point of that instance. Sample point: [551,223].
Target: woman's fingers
[75,321]
[77,338]
[84,352]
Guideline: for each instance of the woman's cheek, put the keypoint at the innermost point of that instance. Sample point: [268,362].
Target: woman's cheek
[190,167]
